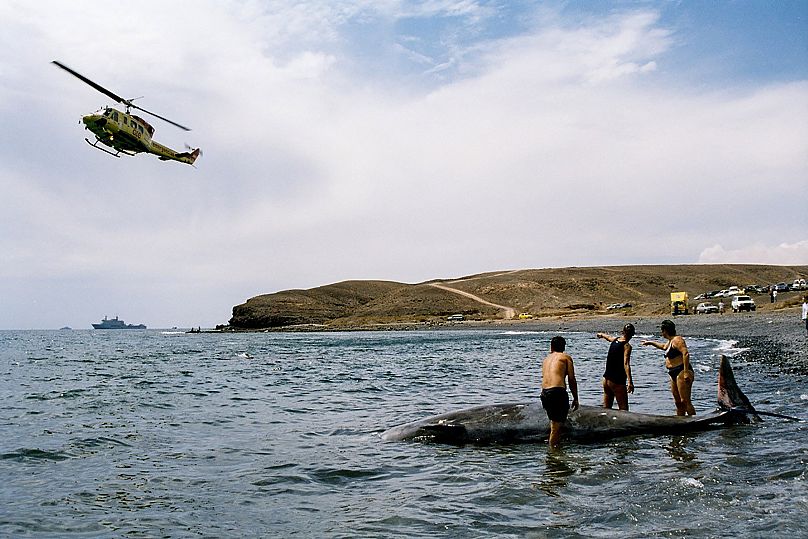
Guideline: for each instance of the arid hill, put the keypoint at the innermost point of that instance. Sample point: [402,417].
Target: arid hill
[499,295]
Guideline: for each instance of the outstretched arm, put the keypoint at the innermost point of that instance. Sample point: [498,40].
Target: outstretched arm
[605,336]
[659,345]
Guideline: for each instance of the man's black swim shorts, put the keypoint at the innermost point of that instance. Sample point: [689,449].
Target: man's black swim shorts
[556,403]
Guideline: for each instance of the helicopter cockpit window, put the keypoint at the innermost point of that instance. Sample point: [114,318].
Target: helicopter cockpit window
[140,127]
[115,116]
[124,121]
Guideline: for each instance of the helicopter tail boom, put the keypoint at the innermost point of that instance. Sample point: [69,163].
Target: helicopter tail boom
[165,153]
[189,157]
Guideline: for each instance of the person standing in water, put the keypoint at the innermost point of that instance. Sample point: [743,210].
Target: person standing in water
[556,370]
[617,381]
[677,360]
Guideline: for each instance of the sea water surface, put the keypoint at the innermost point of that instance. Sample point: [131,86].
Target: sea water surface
[166,434]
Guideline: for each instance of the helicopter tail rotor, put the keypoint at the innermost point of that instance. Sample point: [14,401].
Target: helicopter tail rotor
[192,149]
[189,156]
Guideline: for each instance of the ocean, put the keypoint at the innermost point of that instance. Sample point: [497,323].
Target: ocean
[166,434]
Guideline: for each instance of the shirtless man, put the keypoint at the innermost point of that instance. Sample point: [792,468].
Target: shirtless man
[557,368]
[617,381]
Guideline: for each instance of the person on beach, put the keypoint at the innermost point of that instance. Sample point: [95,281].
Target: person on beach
[677,360]
[805,312]
[556,370]
[617,381]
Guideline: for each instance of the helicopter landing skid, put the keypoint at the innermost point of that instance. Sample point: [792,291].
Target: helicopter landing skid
[97,147]
[113,154]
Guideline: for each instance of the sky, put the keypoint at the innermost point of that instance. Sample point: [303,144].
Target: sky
[391,140]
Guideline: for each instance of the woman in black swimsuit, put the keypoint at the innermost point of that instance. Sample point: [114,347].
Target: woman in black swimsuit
[677,360]
[617,381]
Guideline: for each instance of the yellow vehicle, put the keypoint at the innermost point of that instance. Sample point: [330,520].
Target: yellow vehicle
[679,303]
[124,132]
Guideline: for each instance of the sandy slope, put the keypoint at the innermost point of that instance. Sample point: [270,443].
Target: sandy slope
[542,293]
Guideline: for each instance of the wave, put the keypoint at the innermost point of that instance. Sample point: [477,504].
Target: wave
[728,347]
[524,332]
[34,454]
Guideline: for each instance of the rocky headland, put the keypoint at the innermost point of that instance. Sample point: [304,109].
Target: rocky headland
[519,296]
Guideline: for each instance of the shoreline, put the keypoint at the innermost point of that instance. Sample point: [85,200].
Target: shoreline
[786,319]
[776,337]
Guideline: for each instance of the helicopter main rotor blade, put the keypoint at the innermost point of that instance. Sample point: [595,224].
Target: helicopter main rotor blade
[158,116]
[119,99]
[98,87]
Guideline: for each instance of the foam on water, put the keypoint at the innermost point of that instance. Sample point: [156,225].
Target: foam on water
[691,482]
[729,348]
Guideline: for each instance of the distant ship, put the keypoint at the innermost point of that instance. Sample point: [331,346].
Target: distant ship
[114,323]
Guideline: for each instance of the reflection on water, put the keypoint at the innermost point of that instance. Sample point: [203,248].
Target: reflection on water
[677,449]
[556,472]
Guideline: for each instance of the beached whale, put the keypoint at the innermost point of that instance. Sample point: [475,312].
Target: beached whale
[527,422]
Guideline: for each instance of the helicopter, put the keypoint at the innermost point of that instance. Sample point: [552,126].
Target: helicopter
[124,132]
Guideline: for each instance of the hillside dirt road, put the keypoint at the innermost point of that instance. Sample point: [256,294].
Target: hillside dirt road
[509,313]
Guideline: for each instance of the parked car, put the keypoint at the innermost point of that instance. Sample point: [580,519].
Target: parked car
[614,306]
[456,318]
[700,297]
[743,303]
[732,291]
[781,287]
[756,289]
[799,284]
[706,308]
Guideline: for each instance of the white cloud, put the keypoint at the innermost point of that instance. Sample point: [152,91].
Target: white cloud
[783,254]
[545,148]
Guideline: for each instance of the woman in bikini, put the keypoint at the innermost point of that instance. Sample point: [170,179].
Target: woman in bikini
[677,360]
